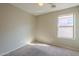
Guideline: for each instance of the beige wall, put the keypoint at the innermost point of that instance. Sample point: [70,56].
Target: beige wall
[16,28]
[47,29]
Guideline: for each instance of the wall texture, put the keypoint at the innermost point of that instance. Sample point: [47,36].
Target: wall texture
[47,29]
[16,28]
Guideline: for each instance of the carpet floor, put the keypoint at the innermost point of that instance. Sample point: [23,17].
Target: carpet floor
[42,50]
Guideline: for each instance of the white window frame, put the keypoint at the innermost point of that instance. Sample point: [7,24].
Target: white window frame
[74,35]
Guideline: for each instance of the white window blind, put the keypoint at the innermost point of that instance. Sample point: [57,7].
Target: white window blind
[66,26]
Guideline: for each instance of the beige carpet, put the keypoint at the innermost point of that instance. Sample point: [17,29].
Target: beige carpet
[42,50]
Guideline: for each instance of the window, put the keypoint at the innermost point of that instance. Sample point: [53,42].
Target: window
[66,26]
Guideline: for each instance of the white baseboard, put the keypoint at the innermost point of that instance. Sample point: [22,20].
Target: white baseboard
[64,46]
[60,45]
[13,50]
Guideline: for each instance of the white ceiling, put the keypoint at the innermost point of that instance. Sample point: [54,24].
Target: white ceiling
[34,9]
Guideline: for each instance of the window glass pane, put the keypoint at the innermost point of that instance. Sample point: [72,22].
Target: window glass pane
[65,26]
[65,20]
[65,32]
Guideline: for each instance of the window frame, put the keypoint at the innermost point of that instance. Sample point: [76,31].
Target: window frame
[67,26]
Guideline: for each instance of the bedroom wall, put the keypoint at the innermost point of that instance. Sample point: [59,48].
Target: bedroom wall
[16,28]
[47,29]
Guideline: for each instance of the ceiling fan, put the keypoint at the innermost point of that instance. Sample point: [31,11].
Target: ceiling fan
[51,4]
